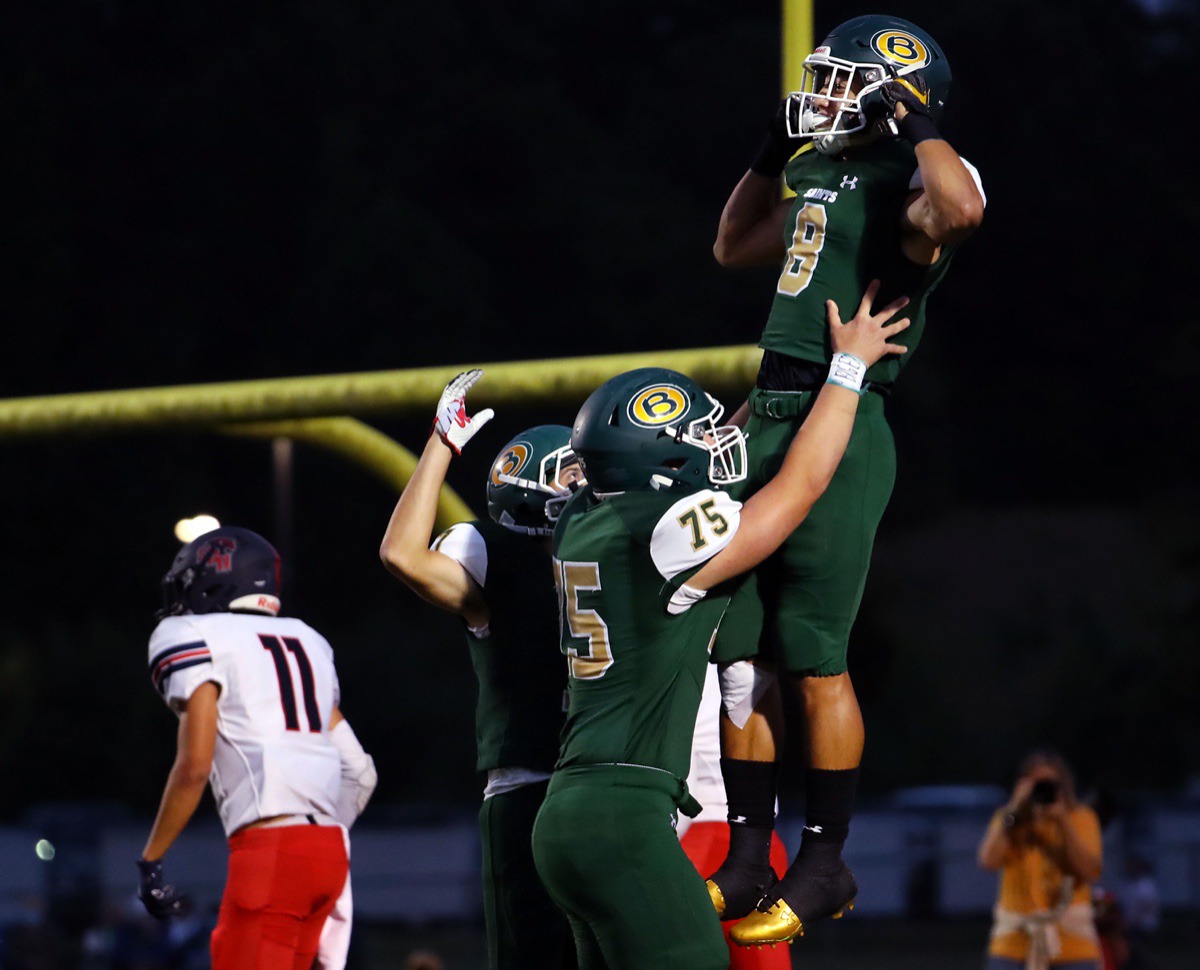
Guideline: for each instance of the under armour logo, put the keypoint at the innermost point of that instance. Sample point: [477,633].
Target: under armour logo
[849,182]
[815,829]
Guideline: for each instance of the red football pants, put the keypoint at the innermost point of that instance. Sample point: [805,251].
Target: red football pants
[282,884]
[706,844]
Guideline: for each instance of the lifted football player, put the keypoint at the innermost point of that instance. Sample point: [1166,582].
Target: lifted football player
[879,193]
[496,576]
[257,698]
[635,555]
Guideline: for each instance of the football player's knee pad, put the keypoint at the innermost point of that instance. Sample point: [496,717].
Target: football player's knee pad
[743,685]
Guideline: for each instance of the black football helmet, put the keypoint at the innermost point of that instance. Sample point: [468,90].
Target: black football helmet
[226,570]
[859,57]
[656,428]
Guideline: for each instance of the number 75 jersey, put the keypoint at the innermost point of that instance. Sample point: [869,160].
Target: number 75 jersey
[636,668]
[278,687]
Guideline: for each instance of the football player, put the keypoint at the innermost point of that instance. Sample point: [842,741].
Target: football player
[636,554]
[257,699]
[496,576]
[879,193]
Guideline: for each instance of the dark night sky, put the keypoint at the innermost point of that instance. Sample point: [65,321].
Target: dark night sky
[217,191]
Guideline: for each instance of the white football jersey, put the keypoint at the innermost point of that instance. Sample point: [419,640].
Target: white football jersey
[704,779]
[278,688]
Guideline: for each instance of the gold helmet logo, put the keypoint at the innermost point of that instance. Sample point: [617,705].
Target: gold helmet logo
[901,48]
[658,404]
[515,457]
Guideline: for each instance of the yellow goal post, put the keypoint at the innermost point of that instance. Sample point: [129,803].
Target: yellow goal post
[324,410]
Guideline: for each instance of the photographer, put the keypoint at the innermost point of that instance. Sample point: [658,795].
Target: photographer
[1046,846]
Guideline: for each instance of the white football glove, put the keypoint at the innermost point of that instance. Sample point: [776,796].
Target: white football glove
[451,423]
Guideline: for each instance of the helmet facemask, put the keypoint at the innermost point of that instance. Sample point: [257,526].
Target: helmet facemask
[827,108]
[725,444]
[558,475]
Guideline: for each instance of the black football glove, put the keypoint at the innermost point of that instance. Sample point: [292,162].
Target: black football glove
[912,91]
[161,901]
[777,147]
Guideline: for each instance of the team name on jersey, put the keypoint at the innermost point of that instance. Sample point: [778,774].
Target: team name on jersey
[825,195]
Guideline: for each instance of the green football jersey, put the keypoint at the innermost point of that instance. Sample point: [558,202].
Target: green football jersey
[637,656]
[522,677]
[842,231]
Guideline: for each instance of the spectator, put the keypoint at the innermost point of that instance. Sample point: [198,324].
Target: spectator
[1046,846]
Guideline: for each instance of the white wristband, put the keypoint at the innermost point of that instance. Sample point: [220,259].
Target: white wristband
[846,370]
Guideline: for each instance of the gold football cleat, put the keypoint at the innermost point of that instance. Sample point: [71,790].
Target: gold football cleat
[779,924]
[717,897]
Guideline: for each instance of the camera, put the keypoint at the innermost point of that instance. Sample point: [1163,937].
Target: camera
[1044,792]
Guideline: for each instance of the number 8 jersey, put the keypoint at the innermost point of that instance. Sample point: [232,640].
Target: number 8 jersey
[637,669]
[278,688]
[842,231]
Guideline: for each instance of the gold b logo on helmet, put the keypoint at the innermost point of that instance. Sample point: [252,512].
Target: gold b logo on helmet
[900,48]
[657,405]
[511,462]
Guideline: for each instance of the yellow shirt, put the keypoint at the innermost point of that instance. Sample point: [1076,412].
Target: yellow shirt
[1031,882]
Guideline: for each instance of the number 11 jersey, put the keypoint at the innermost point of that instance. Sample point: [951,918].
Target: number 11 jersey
[278,688]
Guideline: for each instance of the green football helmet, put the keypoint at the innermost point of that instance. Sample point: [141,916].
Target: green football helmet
[856,58]
[530,471]
[656,428]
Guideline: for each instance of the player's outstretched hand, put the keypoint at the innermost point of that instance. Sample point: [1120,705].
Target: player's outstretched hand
[161,900]
[451,423]
[867,335]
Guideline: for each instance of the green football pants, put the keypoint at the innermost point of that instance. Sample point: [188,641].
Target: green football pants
[799,605]
[524,928]
[606,849]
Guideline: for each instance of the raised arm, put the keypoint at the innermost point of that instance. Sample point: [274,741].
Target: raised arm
[774,511]
[405,550]
[750,232]
[751,229]
[948,205]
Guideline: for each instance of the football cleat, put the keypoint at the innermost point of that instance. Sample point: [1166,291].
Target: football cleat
[778,924]
[739,890]
[778,920]
[716,896]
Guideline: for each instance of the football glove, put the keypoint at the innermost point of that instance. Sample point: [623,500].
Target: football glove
[778,147]
[161,901]
[451,423]
[911,91]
